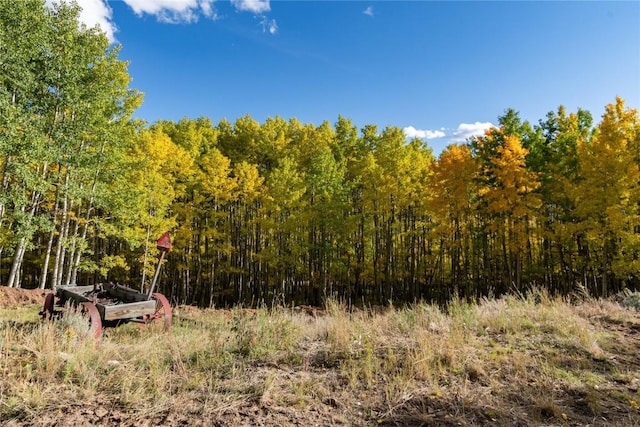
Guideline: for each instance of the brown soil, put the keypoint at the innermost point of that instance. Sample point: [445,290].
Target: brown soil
[16,296]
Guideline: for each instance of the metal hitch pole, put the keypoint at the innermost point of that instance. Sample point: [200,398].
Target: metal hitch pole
[164,245]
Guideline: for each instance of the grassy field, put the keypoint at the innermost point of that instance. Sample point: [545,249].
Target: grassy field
[515,361]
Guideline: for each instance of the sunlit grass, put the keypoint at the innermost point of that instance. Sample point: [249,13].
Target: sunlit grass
[522,351]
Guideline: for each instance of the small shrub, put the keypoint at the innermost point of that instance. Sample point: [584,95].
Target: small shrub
[630,300]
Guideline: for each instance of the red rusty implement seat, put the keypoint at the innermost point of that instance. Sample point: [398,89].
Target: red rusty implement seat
[164,242]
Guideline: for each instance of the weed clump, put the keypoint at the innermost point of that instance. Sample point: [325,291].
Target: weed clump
[630,300]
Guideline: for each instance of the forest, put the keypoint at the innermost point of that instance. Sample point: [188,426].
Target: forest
[290,213]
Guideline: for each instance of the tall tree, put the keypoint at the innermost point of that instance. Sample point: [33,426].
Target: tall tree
[73,102]
[508,201]
[554,157]
[606,198]
[452,200]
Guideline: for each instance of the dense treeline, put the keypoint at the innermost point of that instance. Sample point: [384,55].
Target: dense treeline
[289,212]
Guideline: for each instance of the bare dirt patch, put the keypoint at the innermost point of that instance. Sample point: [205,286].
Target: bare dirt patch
[17,296]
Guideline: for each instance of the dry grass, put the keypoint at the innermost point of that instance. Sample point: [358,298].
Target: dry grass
[531,360]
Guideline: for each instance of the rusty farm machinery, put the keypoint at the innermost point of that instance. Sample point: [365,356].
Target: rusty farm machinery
[111,304]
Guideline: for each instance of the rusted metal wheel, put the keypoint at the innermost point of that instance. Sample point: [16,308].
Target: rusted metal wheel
[48,310]
[89,309]
[163,310]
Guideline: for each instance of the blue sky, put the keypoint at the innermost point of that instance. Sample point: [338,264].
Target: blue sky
[439,70]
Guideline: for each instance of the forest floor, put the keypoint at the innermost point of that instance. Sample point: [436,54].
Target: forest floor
[515,361]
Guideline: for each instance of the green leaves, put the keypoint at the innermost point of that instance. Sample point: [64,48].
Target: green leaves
[283,210]
[66,108]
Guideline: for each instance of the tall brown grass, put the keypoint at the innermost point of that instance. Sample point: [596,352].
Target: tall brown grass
[514,358]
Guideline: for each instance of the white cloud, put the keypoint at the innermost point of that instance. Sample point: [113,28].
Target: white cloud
[254,6]
[269,25]
[169,11]
[368,11]
[412,132]
[463,132]
[174,11]
[207,9]
[98,12]
[188,11]
[468,130]
[94,12]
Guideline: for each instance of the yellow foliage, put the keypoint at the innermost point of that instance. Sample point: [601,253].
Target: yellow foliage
[510,193]
[453,187]
[249,181]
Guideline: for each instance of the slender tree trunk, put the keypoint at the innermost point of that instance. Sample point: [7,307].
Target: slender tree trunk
[47,258]
[78,257]
[12,281]
[72,252]
[63,247]
[59,259]
[22,246]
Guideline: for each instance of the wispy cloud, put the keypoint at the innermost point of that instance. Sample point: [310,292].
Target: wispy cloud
[412,132]
[269,25]
[368,11]
[206,6]
[254,6]
[468,130]
[98,12]
[258,7]
[463,132]
[172,11]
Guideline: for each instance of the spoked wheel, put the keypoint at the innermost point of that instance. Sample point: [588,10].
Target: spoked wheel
[162,314]
[163,310]
[89,309]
